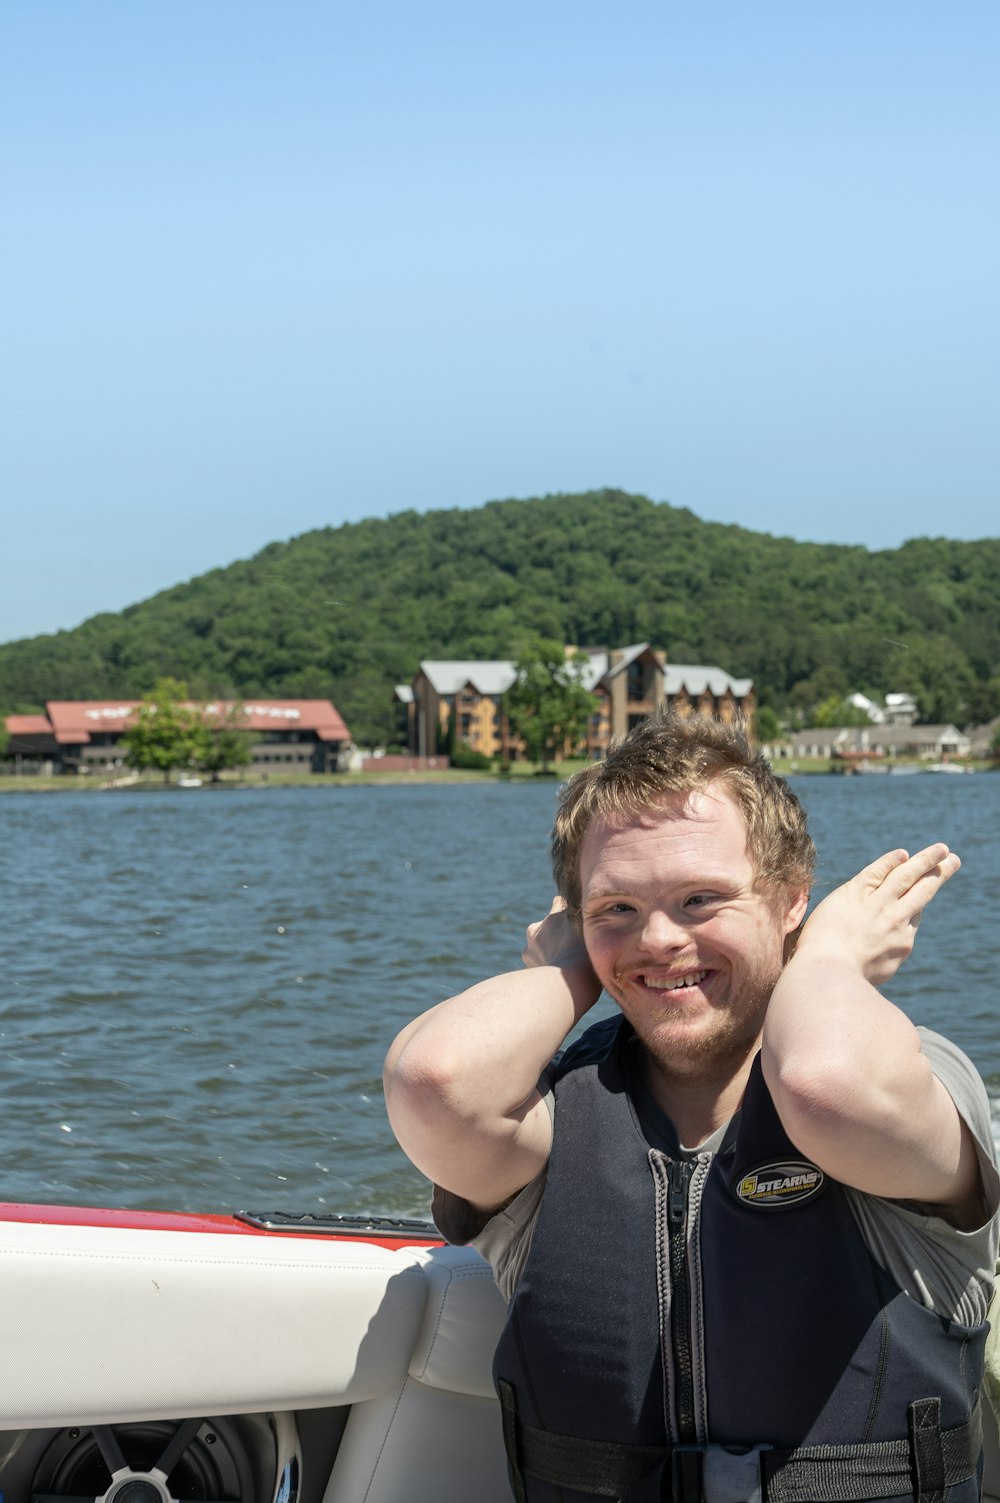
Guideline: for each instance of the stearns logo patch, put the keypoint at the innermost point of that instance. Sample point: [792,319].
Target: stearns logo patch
[787,1182]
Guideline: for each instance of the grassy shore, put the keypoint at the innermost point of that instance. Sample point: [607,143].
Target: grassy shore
[520,772]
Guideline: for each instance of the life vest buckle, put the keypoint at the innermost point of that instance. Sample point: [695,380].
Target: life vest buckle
[717,1474]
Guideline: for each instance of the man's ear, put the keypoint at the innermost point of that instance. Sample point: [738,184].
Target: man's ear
[796,911]
[793,925]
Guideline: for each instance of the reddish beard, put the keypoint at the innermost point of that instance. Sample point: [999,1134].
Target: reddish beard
[730,1037]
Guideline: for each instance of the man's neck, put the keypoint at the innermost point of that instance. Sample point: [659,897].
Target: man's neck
[701,1101]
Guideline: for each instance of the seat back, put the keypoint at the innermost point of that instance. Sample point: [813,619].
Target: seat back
[436,1436]
[109,1325]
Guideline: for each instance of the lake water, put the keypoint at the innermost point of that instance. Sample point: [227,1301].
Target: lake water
[200,986]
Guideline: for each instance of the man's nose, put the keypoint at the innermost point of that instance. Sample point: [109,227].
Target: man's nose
[662,932]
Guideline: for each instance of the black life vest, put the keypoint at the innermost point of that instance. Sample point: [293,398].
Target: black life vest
[713,1328]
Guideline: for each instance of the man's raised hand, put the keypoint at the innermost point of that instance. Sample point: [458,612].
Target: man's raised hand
[872,920]
[555,941]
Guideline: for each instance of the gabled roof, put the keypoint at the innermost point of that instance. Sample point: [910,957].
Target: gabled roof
[28,725]
[877,735]
[73,722]
[450,677]
[496,677]
[600,664]
[696,678]
[923,733]
[317,715]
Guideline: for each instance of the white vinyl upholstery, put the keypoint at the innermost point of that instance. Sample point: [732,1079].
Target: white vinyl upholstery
[435,1437]
[110,1325]
[107,1325]
[463,1318]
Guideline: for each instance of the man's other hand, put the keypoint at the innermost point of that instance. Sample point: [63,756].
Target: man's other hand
[555,941]
[871,922]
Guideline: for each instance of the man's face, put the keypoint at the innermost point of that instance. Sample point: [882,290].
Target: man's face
[678,932]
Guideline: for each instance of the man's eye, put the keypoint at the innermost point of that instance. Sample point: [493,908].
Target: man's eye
[699,899]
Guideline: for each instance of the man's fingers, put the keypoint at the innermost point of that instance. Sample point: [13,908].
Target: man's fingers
[899,872]
[910,881]
[874,875]
[928,883]
[934,864]
[914,882]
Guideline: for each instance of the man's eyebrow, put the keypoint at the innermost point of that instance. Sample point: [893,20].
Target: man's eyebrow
[720,881]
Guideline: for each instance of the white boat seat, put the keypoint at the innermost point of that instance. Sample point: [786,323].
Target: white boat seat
[107,1325]
[435,1437]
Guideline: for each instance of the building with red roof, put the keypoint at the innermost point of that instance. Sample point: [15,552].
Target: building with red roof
[84,736]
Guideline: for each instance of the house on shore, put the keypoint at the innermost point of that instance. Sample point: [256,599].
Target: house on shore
[981,737]
[929,743]
[628,683]
[84,736]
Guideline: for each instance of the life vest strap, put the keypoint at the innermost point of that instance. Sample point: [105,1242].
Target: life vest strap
[921,1467]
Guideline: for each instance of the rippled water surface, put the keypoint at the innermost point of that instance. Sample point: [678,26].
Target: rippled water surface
[199,986]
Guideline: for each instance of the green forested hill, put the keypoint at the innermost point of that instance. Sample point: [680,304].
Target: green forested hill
[347,612]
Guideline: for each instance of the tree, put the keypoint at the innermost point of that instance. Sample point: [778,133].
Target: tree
[982,701]
[222,741]
[166,730]
[836,711]
[547,705]
[768,724]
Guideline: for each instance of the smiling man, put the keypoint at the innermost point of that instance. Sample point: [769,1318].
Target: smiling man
[747,1228]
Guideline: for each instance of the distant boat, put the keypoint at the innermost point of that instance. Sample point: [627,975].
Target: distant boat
[189,782]
[947,767]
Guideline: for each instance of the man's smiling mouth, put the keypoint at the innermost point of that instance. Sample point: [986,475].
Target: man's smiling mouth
[674,983]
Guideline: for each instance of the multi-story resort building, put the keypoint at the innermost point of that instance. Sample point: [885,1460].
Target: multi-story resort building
[628,682]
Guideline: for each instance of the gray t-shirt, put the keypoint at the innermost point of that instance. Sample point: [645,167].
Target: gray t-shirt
[947,1270]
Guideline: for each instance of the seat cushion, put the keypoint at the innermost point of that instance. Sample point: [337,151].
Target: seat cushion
[463,1317]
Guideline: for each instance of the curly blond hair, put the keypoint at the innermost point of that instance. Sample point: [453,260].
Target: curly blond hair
[665,755]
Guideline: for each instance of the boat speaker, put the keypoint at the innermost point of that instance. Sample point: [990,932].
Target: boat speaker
[160,1461]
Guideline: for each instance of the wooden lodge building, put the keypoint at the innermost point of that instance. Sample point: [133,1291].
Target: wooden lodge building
[84,736]
[628,682]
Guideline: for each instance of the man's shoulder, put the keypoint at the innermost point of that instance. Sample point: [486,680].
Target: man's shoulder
[590,1049]
[962,1081]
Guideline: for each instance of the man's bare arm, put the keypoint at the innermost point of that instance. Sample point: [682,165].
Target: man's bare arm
[844,1066]
[461,1082]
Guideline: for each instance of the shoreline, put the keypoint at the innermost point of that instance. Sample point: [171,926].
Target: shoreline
[450,777]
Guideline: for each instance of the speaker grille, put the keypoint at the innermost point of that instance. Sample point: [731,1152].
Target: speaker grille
[204,1461]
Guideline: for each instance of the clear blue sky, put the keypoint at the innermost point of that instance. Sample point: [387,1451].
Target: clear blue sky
[268,267]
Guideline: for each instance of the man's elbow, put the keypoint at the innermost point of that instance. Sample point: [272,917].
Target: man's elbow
[815,1098]
[423,1084]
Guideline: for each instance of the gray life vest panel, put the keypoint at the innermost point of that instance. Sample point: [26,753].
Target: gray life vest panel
[711,1328]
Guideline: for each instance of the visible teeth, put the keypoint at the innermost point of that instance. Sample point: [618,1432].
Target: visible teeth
[677,983]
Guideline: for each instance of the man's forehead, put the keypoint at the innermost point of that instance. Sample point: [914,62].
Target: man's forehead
[700,808]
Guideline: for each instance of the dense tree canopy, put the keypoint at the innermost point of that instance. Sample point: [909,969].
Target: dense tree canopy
[345,613]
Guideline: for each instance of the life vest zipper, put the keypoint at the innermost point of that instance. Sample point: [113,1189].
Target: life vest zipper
[680,1300]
